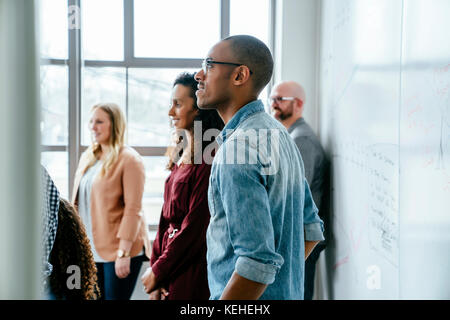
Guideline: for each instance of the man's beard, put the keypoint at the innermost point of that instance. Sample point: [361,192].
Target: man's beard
[283,115]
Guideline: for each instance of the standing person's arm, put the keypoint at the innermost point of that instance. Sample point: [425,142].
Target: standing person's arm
[309,157]
[247,208]
[148,279]
[240,288]
[122,264]
[309,247]
[133,181]
[313,225]
[313,164]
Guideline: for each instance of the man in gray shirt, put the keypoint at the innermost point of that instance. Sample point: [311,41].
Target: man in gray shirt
[287,102]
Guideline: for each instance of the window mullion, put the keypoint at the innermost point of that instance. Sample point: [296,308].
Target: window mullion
[272,21]
[74,97]
[224,18]
[147,63]
[126,97]
[143,151]
[128,32]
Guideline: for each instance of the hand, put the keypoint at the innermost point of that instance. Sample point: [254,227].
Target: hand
[164,294]
[155,294]
[122,267]
[149,281]
[158,294]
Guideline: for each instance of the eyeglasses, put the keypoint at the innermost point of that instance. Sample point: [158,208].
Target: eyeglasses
[206,64]
[270,101]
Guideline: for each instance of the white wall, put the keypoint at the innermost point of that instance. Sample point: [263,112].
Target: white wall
[296,53]
[19,145]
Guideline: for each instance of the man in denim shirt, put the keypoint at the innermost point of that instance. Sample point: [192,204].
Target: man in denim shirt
[264,222]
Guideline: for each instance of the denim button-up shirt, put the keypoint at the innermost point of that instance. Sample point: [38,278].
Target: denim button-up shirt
[261,207]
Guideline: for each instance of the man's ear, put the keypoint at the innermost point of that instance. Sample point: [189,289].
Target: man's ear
[242,75]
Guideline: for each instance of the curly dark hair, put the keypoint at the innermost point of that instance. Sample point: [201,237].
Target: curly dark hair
[209,118]
[72,247]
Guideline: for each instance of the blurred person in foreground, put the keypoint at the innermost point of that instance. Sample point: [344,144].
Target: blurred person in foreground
[74,275]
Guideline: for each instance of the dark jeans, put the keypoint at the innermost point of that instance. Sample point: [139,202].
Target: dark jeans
[114,288]
[310,270]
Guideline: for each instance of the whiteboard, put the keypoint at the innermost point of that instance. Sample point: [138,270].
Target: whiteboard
[385,123]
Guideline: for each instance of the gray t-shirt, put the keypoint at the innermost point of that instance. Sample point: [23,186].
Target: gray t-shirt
[84,204]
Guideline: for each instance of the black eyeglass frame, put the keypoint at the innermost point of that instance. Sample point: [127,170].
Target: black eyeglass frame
[209,61]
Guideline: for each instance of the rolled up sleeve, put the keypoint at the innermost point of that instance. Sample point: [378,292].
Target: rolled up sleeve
[256,271]
[314,232]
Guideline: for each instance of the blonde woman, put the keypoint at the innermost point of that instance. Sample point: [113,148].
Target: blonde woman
[108,189]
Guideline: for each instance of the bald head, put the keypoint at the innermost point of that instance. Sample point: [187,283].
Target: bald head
[288,98]
[290,89]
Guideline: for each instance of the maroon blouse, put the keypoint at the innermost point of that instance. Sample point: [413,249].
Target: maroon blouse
[179,251]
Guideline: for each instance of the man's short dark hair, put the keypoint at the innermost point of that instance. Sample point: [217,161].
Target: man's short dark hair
[253,53]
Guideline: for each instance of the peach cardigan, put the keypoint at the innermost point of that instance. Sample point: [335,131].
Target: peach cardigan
[116,203]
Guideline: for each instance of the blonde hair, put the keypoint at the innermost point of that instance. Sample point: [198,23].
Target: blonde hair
[116,139]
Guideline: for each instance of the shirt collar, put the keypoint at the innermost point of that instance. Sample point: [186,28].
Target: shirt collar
[239,117]
[297,123]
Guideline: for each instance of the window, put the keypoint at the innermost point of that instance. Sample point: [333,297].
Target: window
[155,177]
[106,84]
[255,11]
[132,50]
[57,163]
[54,91]
[102,29]
[53,26]
[148,104]
[55,108]
[160,31]
[258,12]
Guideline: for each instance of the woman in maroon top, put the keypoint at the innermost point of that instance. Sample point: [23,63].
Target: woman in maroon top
[178,262]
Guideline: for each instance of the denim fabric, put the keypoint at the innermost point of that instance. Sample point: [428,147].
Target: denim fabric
[261,207]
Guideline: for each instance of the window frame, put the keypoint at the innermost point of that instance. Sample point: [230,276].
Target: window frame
[75,64]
